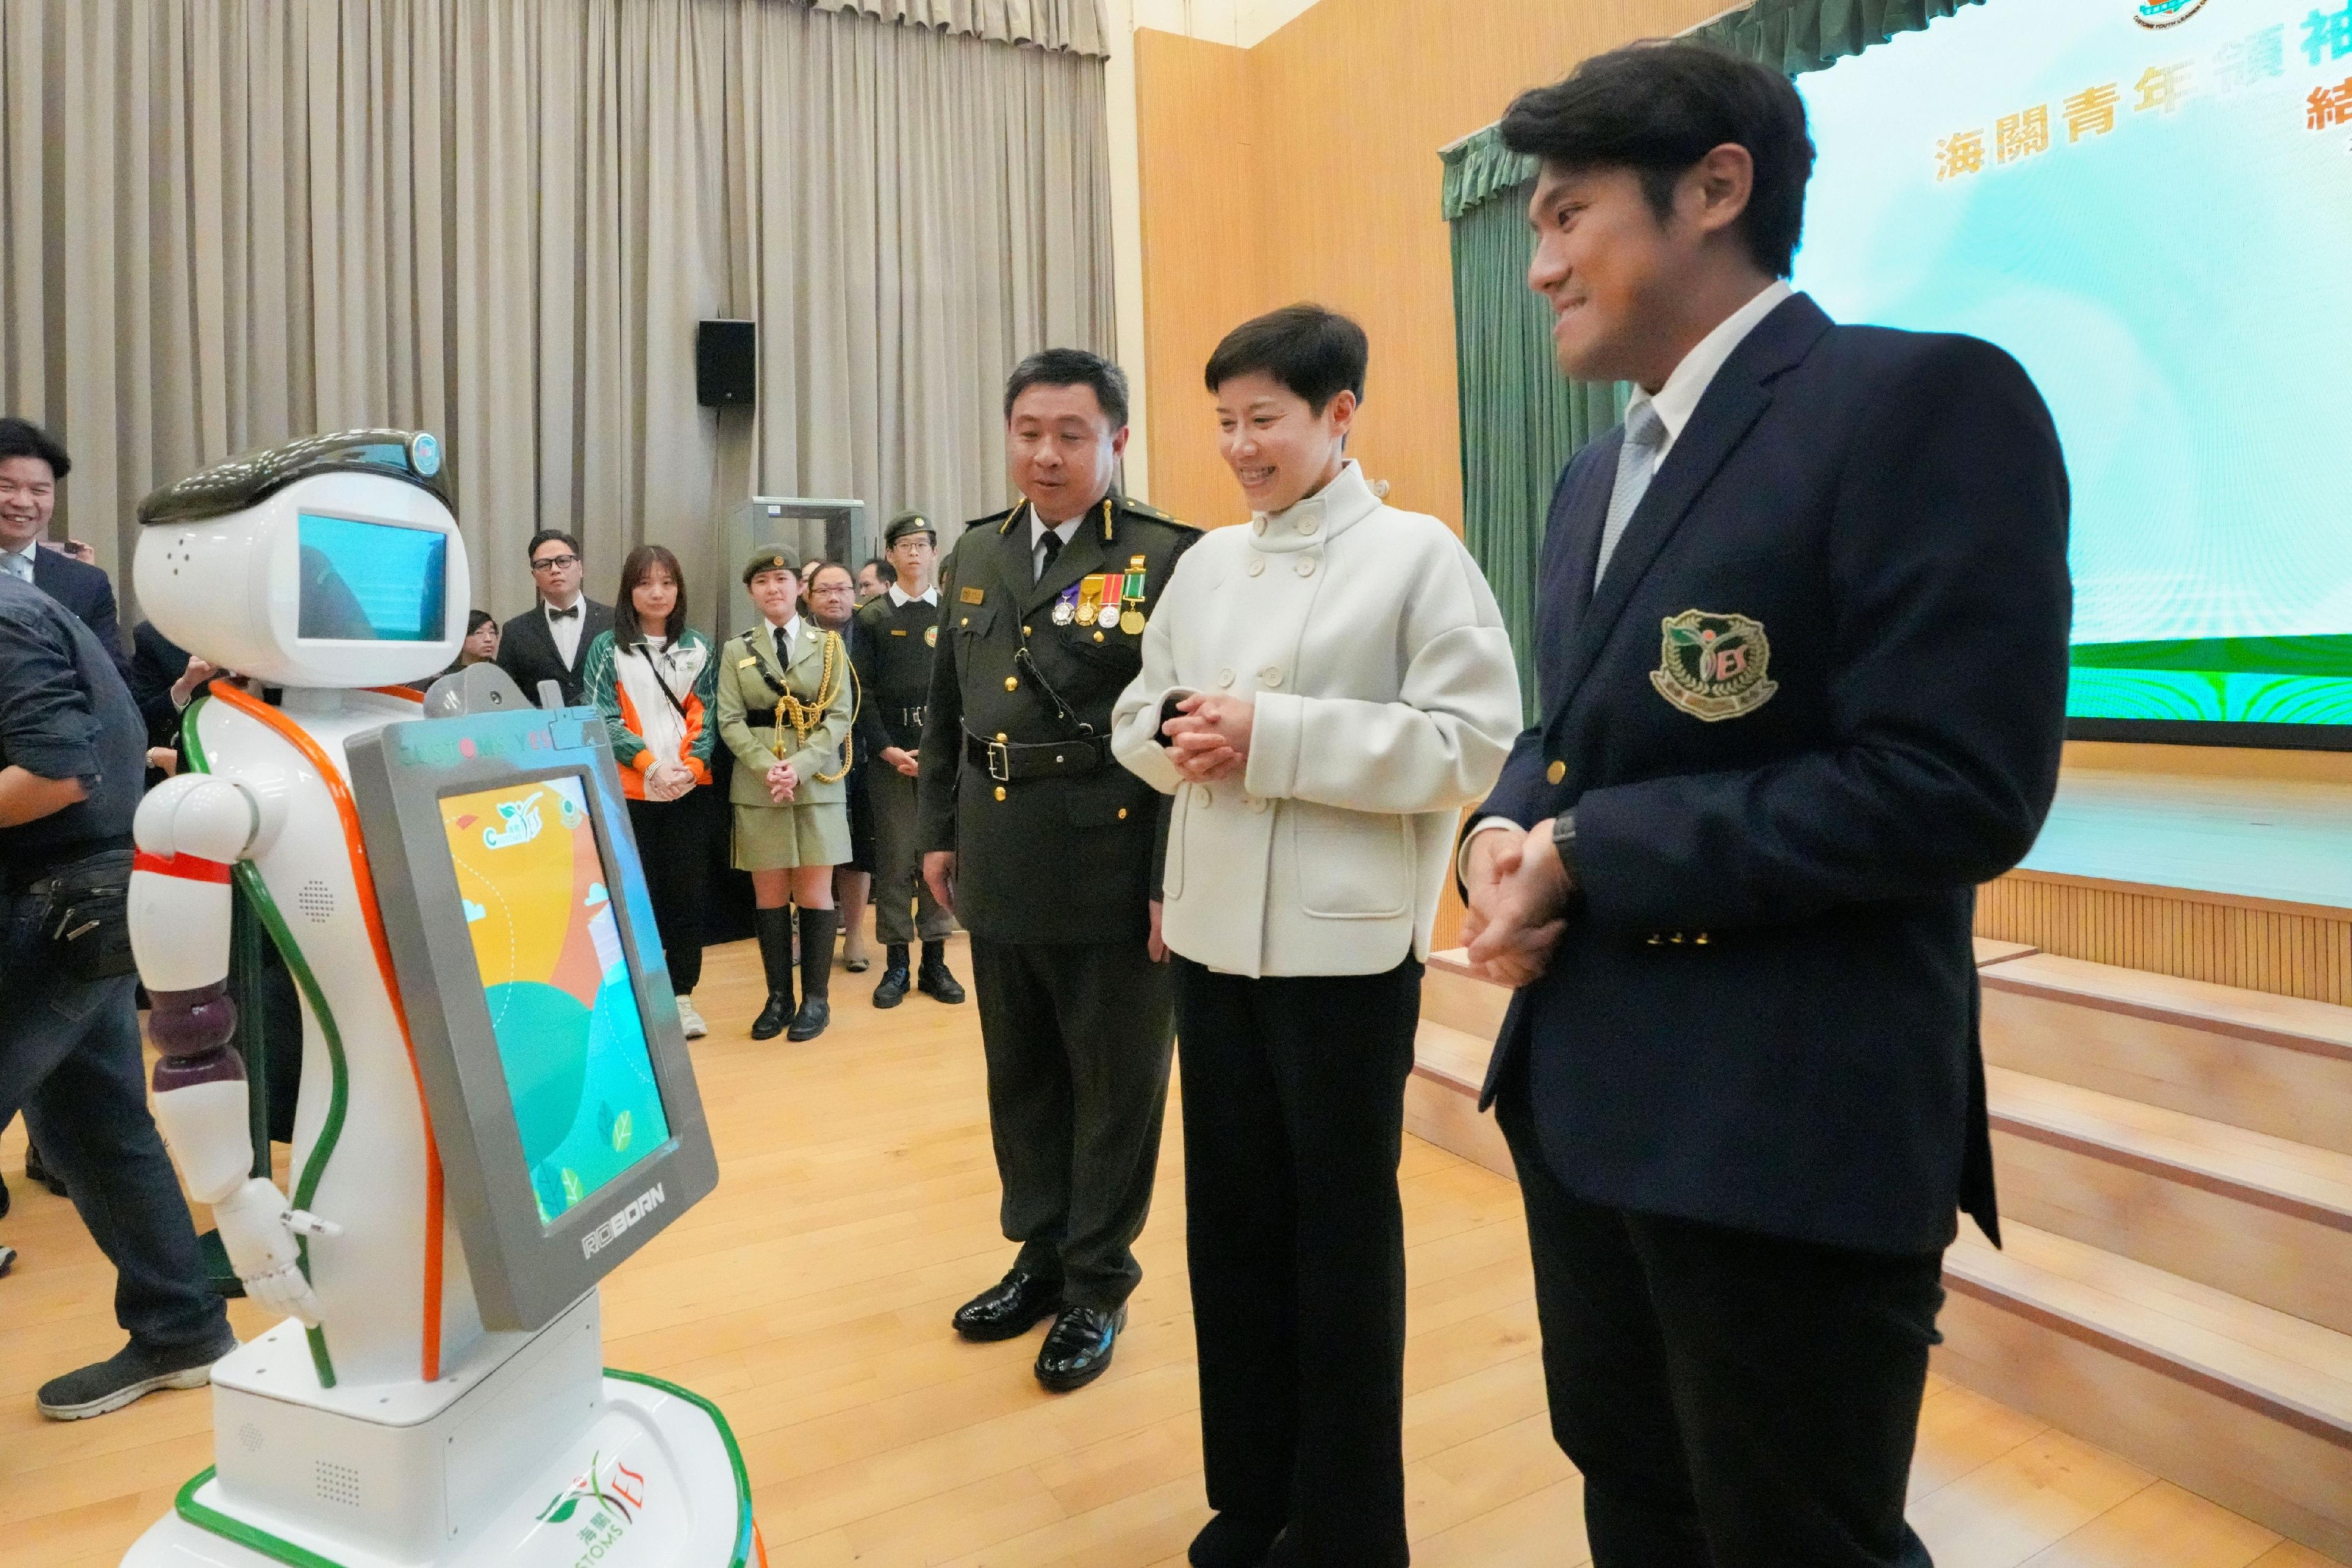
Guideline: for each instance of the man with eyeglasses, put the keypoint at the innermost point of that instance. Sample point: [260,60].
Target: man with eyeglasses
[545,643]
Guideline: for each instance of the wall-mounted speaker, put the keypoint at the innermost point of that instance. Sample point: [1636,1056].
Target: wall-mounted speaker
[726,364]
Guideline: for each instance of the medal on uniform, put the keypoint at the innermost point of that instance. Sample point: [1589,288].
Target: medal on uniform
[1131,594]
[1090,593]
[1065,608]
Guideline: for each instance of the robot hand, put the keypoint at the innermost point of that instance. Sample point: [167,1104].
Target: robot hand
[258,1227]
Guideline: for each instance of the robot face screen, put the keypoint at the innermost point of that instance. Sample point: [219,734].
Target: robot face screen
[555,975]
[371,581]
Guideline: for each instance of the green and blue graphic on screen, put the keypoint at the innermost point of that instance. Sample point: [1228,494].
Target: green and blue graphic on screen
[2150,206]
[562,1008]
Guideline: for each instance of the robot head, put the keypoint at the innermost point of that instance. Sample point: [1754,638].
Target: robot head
[330,561]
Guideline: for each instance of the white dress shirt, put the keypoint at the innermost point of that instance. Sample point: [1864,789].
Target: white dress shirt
[786,636]
[18,563]
[566,632]
[1678,398]
[901,598]
[1038,530]
[1675,400]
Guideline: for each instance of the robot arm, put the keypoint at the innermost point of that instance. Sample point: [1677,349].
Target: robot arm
[189,832]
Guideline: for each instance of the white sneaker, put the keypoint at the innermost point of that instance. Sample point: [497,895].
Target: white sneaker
[695,1027]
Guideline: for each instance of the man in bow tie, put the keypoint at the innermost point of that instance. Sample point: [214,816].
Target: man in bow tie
[545,643]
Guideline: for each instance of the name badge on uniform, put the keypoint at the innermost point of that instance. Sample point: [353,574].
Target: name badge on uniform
[1065,608]
[1714,666]
[973,595]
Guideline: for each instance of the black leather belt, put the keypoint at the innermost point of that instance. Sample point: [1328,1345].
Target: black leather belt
[1009,762]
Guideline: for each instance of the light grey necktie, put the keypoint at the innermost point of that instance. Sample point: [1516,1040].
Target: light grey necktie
[1637,462]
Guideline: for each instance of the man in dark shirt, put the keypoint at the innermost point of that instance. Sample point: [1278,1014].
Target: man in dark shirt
[897,634]
[72,760]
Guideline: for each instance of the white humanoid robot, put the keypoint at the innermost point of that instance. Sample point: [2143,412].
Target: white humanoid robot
[385,1423]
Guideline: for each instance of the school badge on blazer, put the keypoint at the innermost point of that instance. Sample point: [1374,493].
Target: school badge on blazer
[1713,667]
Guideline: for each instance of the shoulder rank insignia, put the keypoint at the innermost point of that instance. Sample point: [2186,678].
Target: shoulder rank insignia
[1713,667]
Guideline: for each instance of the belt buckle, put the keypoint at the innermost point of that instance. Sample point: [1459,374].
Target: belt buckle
[999,762]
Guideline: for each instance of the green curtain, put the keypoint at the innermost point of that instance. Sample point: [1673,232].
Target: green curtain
[1521,422]
[1521,419]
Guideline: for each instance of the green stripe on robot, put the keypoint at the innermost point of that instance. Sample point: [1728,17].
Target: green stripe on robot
[257,893]
[282,1550]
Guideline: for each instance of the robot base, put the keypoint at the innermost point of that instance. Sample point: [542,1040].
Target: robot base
[545,1460]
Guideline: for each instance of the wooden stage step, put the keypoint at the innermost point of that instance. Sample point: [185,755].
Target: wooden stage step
[2274,1064]
[2249,1406]
[2238,1210]
[2174,1166]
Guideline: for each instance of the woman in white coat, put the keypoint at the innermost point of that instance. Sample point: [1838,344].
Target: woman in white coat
[1322,691]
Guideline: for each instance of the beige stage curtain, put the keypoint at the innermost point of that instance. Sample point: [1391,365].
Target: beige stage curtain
[226,221]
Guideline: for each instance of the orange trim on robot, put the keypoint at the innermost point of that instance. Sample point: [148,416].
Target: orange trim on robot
[186,867]
[364,882]
[406,694]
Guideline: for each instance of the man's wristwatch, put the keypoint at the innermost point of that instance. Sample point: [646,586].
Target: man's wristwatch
[1563,841]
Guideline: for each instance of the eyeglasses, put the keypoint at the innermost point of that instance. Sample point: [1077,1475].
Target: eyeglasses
[554,563]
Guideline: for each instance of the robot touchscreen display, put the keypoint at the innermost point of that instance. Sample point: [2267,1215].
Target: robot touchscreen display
[564,1011]
[374,583]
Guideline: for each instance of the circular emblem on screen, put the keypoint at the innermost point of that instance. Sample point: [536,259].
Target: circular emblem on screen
[930,636]
[424,453]
[1713,667]
[2166,13]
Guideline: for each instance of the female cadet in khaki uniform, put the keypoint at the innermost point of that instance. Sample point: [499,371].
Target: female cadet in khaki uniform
[786,706]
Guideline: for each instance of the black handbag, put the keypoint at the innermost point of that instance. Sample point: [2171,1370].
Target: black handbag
[86,918]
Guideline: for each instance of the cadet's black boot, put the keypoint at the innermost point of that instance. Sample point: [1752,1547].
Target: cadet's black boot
[775,928]
[894,979]
[933,979]
[817,928]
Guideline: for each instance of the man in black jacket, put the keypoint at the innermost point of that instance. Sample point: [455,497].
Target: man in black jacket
[1801,649]
[549,642]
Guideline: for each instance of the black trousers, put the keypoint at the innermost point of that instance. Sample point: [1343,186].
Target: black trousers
[674,838]
[1734,1400]
[1293,1121]
[1077,1036]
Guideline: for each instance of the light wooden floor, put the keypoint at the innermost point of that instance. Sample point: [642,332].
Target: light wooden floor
[810,1295]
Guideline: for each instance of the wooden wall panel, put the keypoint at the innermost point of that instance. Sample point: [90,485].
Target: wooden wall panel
[2290,950]
[1202,246]
[1324,187]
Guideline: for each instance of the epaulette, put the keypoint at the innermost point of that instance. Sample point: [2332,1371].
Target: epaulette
[1135,508]
[993,519]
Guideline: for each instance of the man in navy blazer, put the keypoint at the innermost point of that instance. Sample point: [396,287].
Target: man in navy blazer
[32,464]
[1801,651]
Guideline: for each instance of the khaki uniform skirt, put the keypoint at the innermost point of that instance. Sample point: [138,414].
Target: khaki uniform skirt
[782,838]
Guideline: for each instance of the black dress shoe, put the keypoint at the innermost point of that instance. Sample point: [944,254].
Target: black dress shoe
[933,980]
[1229,1541]
[1078,1346]
[34,1170]
[811,1021]
[893,988]
[1008,1309]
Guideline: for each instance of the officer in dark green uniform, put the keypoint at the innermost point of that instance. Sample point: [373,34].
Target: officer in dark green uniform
[1044,847]
[898,632]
